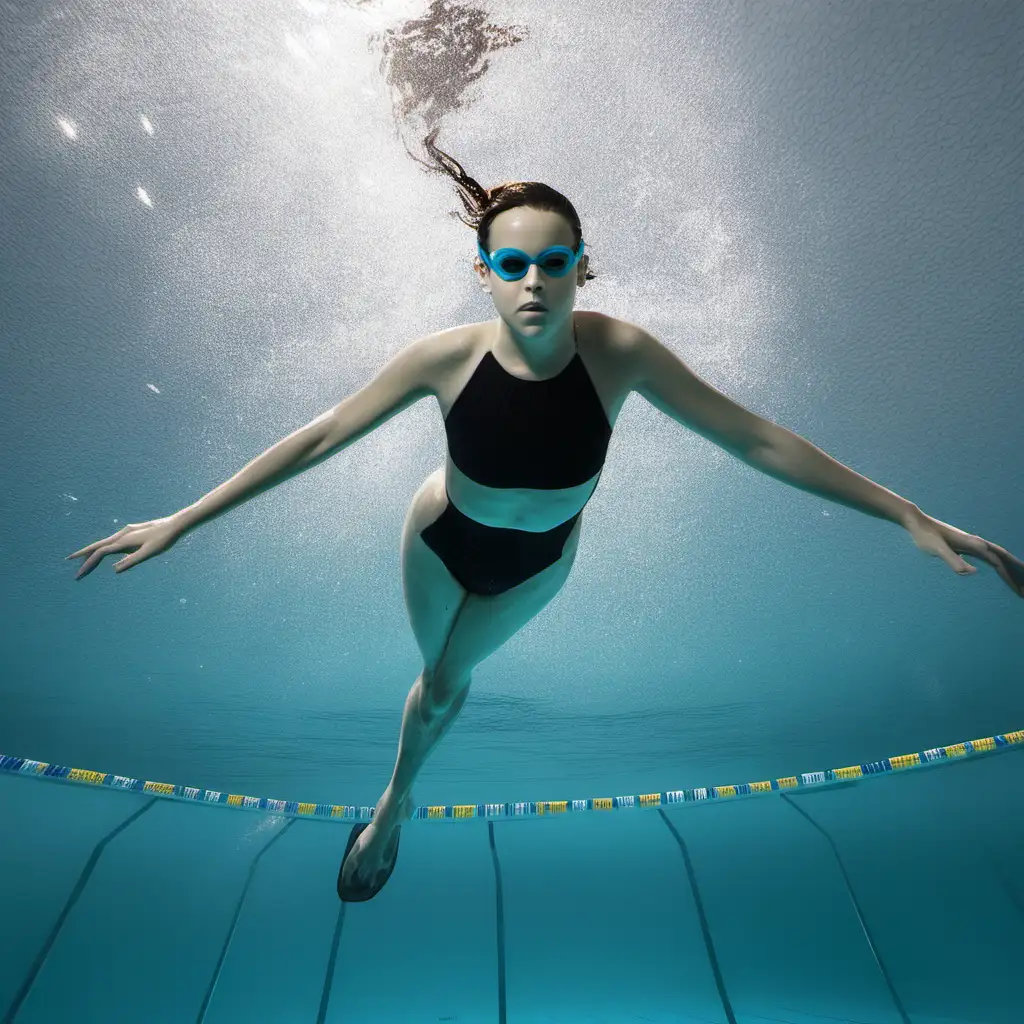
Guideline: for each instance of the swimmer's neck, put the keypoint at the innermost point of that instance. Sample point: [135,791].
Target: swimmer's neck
[540,351]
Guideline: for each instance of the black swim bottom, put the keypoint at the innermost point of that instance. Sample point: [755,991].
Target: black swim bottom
[489,559]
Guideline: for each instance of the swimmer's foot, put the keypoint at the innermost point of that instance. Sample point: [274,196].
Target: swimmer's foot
[372,850]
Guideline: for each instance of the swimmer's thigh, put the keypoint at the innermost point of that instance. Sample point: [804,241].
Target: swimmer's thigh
[455,630]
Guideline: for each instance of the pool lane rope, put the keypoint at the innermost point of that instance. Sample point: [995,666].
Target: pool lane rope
[526,809]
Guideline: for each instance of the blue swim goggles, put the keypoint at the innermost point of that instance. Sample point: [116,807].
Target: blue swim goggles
[513,264]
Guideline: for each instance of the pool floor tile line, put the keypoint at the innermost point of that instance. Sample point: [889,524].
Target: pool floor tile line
[211,988]
[897,1002]
[499,924]
[709,944]
[325,994]
[83,881]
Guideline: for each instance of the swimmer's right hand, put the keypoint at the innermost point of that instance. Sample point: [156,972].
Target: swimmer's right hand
[144,539]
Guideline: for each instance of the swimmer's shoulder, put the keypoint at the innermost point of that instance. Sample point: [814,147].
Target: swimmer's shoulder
[611,348]
[443,354]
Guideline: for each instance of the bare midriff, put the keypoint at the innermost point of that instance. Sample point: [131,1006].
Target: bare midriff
[515,508]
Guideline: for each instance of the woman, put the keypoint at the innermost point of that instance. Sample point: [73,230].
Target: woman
[529,400]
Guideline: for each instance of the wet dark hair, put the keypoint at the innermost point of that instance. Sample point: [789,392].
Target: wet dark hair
[483,205]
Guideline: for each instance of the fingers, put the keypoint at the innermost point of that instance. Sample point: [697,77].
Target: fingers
[1014,564]
[127,563]
[998,559]
[956,563]
[1017,575]
[98,555]
[93,560]
[90,548]
[996,564]
[1014,580]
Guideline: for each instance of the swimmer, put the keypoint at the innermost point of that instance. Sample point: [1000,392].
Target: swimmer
[529,400]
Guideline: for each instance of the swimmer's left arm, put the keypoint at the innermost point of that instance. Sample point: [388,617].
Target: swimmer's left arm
[671,386]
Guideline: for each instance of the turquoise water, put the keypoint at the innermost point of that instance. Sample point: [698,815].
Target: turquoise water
[212,233]
[714,912]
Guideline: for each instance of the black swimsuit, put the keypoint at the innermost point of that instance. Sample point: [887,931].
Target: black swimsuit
[504,431]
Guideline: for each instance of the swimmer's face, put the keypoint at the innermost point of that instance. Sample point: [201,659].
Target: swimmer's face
[533,231]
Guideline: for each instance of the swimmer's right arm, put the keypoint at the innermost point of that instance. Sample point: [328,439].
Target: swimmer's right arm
[405,379]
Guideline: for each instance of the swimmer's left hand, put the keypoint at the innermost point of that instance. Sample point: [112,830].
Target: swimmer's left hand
[948,543]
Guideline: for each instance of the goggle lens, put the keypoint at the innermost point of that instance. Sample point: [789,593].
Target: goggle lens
[555,263]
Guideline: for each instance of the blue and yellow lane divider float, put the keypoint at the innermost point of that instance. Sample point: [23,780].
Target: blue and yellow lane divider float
[526,809]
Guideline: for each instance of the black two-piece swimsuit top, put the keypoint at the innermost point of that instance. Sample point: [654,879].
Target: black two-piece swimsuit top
[504,431]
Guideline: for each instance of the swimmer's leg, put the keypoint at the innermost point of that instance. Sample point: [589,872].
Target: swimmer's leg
[455,632]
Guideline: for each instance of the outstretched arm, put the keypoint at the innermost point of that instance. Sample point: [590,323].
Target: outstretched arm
[669,384]
[409,376]
[403,381]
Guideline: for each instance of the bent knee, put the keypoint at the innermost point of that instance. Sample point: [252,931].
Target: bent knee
[443,690]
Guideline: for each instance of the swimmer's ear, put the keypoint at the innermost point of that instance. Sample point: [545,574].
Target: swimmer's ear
[481,271]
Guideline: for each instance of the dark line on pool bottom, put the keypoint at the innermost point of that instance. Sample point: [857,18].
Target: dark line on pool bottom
[500,915]
[879,962]
[709,944]
[211,988]
[325,996]
[83,880]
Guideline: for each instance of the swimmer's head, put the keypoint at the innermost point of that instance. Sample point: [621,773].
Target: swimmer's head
[525,215]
